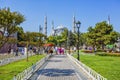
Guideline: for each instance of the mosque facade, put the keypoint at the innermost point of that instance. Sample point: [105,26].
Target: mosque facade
[59,29]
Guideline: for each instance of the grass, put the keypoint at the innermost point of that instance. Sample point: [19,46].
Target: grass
[8,71]
[107,66]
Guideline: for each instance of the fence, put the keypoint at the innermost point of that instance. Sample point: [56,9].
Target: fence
[92,74]
[3,56]
[29,71]
[7,60]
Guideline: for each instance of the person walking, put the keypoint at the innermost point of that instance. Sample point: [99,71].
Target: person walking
[9,50]
[16,52]
[51,51]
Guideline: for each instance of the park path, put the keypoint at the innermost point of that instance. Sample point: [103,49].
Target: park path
[59,67]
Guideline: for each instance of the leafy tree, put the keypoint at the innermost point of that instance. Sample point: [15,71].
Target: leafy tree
[101,35]
[20,34]
[28,38]
[64,35]
[52,39]
[59,40]
[83,39]
[8,23]
[33,39]
[71,39]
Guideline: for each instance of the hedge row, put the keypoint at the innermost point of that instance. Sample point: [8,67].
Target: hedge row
[109,54]
[87,51]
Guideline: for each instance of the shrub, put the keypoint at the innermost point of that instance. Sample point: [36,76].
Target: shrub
[100,50]
[87,51]
[109,54]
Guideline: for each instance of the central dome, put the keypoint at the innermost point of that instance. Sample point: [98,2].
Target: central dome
[60,27]
[58,30]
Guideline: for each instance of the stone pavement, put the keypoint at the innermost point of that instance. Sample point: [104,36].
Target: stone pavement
[59,67]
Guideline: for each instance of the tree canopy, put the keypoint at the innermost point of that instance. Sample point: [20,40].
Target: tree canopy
[8,23]
[100,35]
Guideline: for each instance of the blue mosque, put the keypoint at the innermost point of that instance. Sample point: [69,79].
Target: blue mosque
[56,30]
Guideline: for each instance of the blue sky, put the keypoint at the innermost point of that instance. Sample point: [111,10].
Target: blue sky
[89,12]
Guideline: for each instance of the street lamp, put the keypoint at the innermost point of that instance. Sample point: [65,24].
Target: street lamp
[78,27]
[118,43]
[69,40]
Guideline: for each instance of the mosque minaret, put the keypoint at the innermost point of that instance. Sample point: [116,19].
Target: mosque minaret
[74,28]
[108,20]
[45,26]
[58,29]
[52,32]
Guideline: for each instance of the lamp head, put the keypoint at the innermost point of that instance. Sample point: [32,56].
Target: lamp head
[78,23]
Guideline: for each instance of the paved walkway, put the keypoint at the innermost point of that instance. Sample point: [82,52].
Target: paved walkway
[59,67]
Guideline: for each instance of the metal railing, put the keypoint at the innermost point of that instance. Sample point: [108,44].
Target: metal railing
[91,73]
[12,59]
[6,55]
[29,71]
[9,60]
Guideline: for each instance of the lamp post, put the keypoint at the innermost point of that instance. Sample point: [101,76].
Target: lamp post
[78,27]
[118,43]
[69,41]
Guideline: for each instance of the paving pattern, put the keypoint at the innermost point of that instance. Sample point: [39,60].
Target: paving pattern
[59,67]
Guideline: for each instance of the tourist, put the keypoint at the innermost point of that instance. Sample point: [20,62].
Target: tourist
[9,50]
[51,51]
[16,52]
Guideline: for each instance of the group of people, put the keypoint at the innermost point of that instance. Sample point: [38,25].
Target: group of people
[50,50]
[57,50]
[16,51]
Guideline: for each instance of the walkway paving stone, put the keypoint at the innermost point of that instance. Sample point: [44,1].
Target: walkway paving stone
[59,67]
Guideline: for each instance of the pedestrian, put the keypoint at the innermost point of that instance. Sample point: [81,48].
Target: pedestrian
[22,51]
[51,51]
[56,50]
[9,50]
[16,52]
[62,50]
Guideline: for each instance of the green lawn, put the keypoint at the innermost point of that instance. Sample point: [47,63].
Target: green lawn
[107,66]
[8,71]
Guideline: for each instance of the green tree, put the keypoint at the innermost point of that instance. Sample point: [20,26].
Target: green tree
[20,34]
[101,35]
[60,40]
[83,39]
[8,23]
[64,35]
[71,39]
[33,39]
[28,37]
[52,39]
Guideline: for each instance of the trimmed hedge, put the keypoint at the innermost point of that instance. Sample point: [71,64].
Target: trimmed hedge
[87,51]
[100,50]
[109,54]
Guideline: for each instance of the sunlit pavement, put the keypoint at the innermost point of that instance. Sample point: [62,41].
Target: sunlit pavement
[59,67]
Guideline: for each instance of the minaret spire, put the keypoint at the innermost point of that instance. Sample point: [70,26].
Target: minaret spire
[74,21]
[108,20]
[52,32]
[40,29]
[45,26]
[52,25]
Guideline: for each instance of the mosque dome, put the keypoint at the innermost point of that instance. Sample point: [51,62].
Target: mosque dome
[58,30]
[60,27]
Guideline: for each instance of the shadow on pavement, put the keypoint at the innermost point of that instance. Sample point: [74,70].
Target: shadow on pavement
[59,56]
[56,72]
[54,60]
